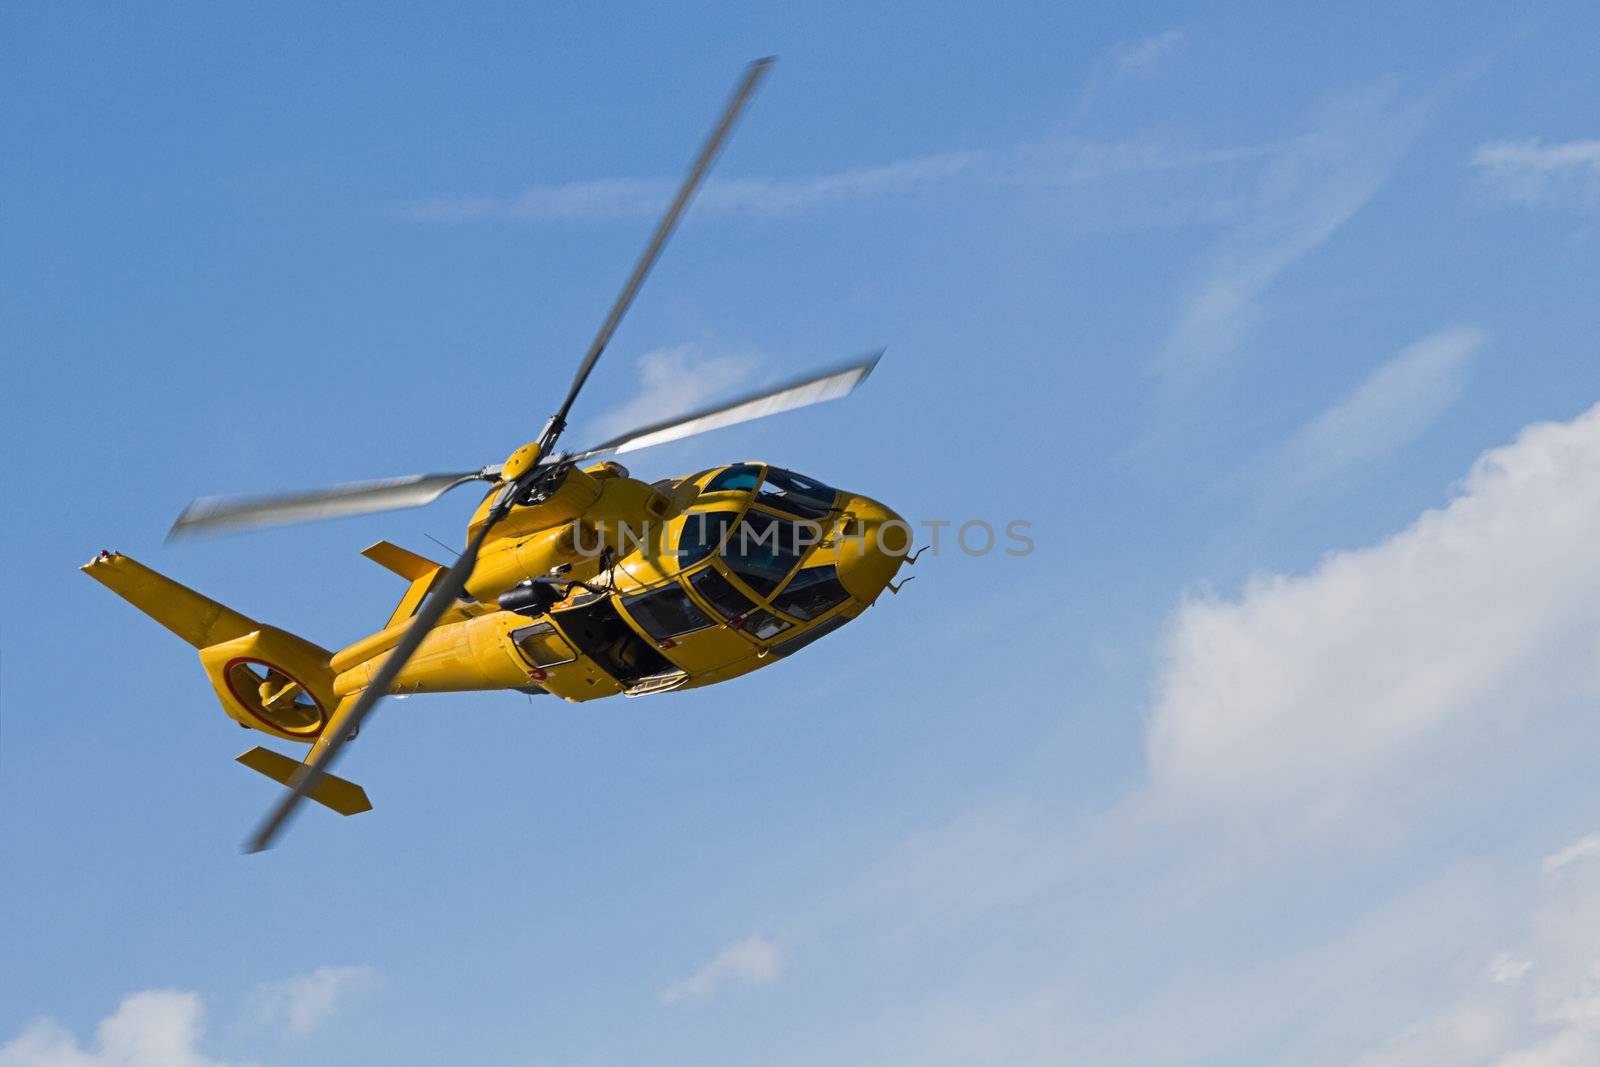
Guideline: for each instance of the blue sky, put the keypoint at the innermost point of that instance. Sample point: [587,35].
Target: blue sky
[1276,324]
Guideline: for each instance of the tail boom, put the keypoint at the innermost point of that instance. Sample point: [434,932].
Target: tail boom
[266,679]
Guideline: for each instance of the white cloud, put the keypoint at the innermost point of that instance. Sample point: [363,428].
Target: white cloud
[1148,53]
[1041,928]
[1308,191]
[772,196]
[1547,1015]
[605,199]
[1293,702]
[1507,969]
[1130,182]
[1536,174]
[1395,405]
[675,380]
[751,962]
[1584,848]
[156,1028]
[304,1002]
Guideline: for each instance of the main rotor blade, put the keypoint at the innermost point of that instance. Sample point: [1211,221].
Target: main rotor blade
[215,514]
[708,154]
[327,749]
[800,393]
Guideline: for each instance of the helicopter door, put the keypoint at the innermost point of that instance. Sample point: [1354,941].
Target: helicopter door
[602,635]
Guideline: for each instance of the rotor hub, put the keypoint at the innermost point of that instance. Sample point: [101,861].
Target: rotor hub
[520,462]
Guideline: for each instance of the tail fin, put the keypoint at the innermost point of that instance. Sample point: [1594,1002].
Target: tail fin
[422,573]
[333,792]
[267,679]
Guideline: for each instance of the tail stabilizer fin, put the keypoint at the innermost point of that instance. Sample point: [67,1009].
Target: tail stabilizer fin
[420,571]
[406,564]
[332,792]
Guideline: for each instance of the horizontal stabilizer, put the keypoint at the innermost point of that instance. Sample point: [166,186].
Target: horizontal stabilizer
[407,565]
[333,792]
[422,573]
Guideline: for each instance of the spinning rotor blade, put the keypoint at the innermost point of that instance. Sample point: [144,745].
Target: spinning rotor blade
[378,496]
[708,154]
[344,724]
[214,514]
[803,392]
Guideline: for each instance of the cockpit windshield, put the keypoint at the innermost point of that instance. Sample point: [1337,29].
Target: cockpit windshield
[701,533]
[796,494]
[740,611]
[738,478]
[763,549]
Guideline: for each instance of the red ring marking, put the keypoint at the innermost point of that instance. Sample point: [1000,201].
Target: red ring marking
[227,678]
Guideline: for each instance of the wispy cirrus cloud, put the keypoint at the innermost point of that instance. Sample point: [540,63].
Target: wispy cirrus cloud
[1584,848]
[1533,173]
[1320,180]
[676,379]
[1145,56]
[1129,182]
[304,1002]
[605,199]
[1395,405]
[753,961]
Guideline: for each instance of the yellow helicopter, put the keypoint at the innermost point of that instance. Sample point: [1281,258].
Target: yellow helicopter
[577,580]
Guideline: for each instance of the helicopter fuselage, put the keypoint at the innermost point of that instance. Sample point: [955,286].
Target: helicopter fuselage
[610,585]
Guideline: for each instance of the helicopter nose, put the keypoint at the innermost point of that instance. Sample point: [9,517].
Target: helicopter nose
[873,543]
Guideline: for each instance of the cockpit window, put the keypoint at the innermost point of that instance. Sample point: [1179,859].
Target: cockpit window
[796,494]
[721,594]
[814,591]
[735,479]
[664,613]
[763,549]
[702,532]
[741,612]
[762,625]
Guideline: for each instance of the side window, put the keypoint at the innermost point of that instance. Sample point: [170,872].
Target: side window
[720,594]
[542,645]
[816,633]
[664,613]
[814,591]
[740,610]
[762,625]
[798,495]
[762,550]
[702,532]
[737,478]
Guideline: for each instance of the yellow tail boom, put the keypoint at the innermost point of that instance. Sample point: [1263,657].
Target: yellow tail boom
[266,679]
